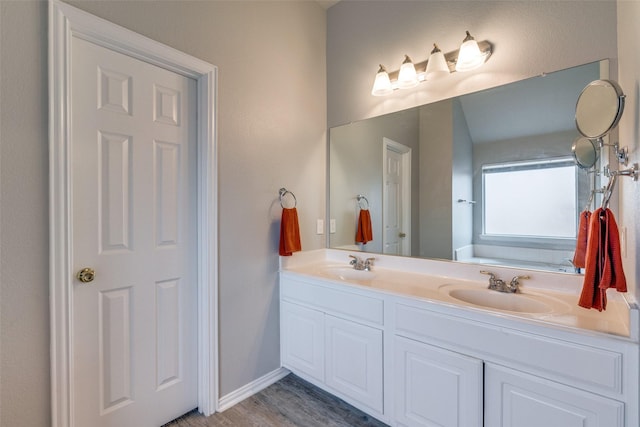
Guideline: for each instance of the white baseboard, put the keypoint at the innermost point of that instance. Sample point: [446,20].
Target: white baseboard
[237,396]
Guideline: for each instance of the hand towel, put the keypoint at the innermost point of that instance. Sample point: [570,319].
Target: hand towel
[364,233]
[603,261]
[289,232]
[613,273]
[581,241]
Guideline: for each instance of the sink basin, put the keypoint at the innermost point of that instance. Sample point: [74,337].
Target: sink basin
[518,302]
[348,273]
[501,301]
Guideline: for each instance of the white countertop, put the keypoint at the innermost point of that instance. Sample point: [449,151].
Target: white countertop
[432,280]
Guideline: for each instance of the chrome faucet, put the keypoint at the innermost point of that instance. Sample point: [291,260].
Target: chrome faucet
[360,264]
[500,285]
[494,283]
[576,269]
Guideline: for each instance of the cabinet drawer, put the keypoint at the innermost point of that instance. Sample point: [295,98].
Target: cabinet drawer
[345,304]
[582,366]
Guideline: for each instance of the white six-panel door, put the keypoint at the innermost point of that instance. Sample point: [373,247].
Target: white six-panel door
[133,154]
[393,203]
[396,195]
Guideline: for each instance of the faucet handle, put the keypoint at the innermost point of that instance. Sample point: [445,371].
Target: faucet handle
[354,261]
[368,263]
[490,274]
[516,281]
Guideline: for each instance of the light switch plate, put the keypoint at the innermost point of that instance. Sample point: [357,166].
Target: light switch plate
[320,227]
[332,225]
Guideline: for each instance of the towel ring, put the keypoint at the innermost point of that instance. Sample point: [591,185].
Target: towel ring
[360,198]
[283,192]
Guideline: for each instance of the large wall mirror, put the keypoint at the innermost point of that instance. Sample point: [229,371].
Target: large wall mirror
[487,177]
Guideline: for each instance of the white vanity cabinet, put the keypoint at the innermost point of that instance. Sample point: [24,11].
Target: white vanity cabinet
[334,339]
[436,387]
[415,362]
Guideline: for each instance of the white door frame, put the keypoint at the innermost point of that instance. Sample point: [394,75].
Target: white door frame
[66,22]
[389,144]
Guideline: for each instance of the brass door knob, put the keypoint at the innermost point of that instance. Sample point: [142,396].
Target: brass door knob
[86,275]
[402,235]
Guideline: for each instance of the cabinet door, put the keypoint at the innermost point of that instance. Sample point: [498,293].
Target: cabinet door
[516,399]
[302,335]
[354,361]
[436,387]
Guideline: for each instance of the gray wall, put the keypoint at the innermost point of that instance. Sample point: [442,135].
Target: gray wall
[462,180]
[445,175]
[629,135]
[436,184]
[529,38]
[272,121]
[24,258]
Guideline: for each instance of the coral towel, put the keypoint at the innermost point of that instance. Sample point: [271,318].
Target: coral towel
[289,232]
[364,233]
[581,241]
[603,261]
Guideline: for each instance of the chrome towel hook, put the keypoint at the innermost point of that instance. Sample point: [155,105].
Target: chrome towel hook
[283,192]
[362,198]
[633,172]
[608,192]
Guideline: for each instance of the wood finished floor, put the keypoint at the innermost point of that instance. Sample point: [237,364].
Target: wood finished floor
[291,402]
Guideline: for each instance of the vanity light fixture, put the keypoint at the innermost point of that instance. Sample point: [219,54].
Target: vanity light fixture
[470,56]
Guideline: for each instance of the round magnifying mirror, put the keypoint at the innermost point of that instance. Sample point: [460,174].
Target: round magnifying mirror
[599,108]
[584,152]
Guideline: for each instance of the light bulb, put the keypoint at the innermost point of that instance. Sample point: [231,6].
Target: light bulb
[382,84]
[436,65]
[469,56]
[407,77]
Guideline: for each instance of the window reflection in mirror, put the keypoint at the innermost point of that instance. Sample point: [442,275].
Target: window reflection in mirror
[531,122]
[541,199]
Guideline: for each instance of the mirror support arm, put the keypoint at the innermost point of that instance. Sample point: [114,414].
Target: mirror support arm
[633,172]
[622,154]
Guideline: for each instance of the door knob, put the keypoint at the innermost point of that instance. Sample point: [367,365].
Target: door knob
[402,234]
[86,275]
